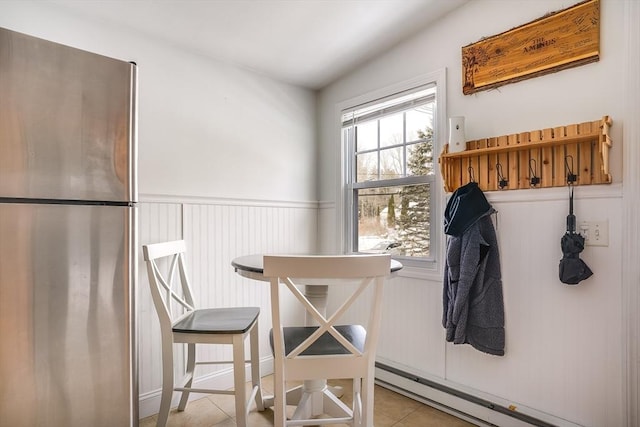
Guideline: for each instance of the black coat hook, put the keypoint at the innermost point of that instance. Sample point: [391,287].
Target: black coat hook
[533,178]
[571,177]
[502,181]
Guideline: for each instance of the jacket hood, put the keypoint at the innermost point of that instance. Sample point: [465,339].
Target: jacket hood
[466,206]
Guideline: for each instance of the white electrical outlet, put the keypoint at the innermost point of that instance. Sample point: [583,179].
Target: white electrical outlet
[595,233]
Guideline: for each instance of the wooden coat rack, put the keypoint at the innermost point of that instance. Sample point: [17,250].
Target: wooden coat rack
[553,157]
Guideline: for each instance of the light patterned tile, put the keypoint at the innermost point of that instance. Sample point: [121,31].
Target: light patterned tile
[199,413]
[381,420]
[227,402]
[393,405]
[261,419]
[148,422]
[228,422]
[391,410]
[426,416]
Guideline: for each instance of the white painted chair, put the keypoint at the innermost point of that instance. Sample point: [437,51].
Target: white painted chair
[181,322]
[331,350]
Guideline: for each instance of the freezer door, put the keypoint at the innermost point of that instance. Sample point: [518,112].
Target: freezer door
[66,122]
[67,316]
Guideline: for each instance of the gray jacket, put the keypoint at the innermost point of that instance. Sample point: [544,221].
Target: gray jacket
[473,307]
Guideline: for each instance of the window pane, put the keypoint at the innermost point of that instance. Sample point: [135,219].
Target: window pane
[367,167]
[391,163]
[391,130]
[394,220]
[419,123]
[367,136]
[420,158]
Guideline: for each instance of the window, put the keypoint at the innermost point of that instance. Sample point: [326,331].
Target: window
[390,174]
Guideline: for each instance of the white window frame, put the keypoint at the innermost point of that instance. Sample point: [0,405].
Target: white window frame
[419,268]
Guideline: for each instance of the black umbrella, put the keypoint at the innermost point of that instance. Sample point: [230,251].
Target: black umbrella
[572,268]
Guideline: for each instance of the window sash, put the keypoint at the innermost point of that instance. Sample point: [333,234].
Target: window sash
[366,112]
[375,110]
[355,237]
[397,182]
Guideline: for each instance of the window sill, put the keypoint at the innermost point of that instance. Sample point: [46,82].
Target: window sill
[423,270]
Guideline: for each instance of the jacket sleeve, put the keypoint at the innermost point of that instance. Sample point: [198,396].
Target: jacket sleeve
[450,284]
[446,288]
[469,265]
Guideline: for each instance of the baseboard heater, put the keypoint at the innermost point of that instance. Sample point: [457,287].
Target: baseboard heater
[465,396]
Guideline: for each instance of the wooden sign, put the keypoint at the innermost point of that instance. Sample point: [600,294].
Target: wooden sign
[563,39]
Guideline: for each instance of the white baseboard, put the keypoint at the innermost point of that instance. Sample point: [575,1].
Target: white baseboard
[478,410]
[149,403]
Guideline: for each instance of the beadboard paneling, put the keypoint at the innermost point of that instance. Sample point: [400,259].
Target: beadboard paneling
[216,234]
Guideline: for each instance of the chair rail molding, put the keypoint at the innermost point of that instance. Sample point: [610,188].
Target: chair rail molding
[209,200]
[631,206]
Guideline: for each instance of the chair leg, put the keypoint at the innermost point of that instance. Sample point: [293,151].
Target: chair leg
[357,402]
[239,380]
[367,401]
[167,383]
[189,373]
[256,380]
[280,397]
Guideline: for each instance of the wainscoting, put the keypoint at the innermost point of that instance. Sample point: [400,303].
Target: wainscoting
[216,231]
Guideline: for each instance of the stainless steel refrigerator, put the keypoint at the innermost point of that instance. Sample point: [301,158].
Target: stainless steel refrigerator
[67,236]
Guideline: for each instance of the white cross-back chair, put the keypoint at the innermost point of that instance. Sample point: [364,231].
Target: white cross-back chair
[181,322]
[329,350]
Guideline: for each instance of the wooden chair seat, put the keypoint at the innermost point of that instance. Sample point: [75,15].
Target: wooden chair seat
[236,320]
[326,344]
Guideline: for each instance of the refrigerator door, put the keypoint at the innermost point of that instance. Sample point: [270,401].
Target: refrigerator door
[66,122]
[66,316]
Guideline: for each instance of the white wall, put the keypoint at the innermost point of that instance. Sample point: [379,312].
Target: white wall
[564,355]
[206,128]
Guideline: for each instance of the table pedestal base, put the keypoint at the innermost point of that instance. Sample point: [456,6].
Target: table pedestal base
[315,398]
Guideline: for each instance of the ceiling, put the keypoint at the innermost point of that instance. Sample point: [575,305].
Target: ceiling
[309,43]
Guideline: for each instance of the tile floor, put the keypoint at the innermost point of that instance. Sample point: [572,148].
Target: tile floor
[391,410]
